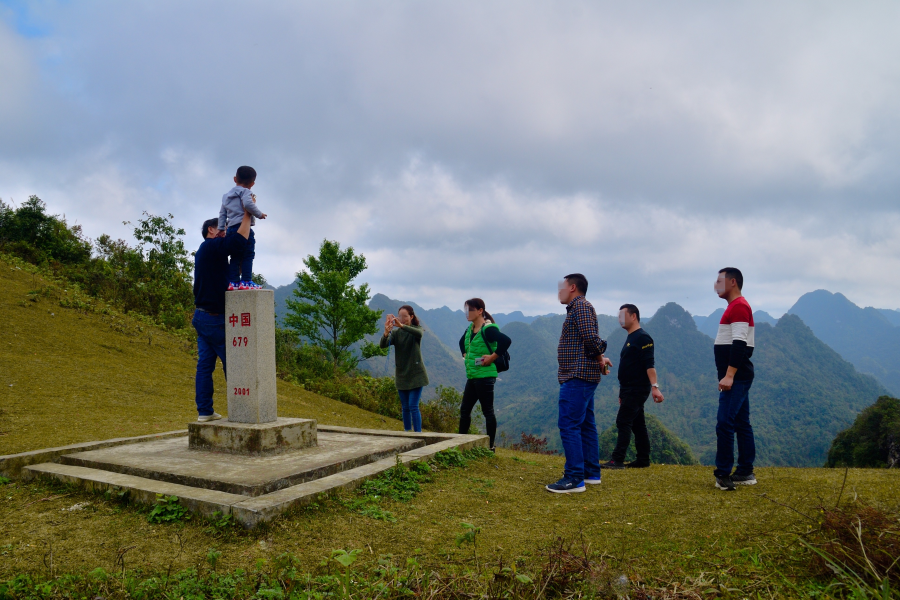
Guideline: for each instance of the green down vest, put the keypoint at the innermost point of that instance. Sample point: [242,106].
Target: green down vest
[475,349]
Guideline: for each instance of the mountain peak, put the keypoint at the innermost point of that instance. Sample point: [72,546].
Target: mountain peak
[673,316]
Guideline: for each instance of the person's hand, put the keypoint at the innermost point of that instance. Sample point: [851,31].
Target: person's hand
[396,323]
[487,360]
[263,216]
[605,364]
[221,233]
[725,383]
[657,395]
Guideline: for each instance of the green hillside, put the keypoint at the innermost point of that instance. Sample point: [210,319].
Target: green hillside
[804,393]
[867,337]
[872,441]
[71,376]
[665,447]
[74,375]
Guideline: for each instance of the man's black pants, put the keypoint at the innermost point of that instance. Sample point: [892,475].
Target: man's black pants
[631,419]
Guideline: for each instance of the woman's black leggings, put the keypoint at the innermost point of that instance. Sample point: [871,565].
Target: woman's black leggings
[479,390]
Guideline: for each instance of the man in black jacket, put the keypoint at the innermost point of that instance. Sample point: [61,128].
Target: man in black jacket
[210,284]
[637,380]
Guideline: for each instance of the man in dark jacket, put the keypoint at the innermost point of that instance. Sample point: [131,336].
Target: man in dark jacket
[637,380]
[210,284]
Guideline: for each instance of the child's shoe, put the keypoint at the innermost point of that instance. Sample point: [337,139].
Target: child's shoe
[232,286]
[243,286]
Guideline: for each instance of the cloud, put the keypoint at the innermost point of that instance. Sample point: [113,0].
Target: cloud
[480,149]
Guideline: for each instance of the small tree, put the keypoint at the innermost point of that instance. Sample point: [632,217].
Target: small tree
[328,310]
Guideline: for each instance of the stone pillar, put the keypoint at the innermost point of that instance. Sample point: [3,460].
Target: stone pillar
[250,352]
[253,426]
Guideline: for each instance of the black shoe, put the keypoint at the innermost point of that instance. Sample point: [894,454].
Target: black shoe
[725,484]
[611,464]
[636,465]
[749,479]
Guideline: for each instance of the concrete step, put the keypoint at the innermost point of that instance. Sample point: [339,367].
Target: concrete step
[140,489]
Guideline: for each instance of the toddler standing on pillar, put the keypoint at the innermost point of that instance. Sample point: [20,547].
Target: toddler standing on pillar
[239,198]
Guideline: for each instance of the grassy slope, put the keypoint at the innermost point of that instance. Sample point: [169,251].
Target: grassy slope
[69,377]
[76,378]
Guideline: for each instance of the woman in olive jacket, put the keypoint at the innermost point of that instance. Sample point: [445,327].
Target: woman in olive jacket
[480,346]
[404,333]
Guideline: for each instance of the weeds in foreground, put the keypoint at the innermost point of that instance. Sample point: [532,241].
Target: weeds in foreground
[563,574]
[168,509]
[859,546]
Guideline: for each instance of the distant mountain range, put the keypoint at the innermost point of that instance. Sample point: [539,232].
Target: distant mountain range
[867,337]
[806,391]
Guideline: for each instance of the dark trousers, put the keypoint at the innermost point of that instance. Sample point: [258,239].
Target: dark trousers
[479,390]
[631,420]
[210,345]
[578,430]
[734,418]
[241,266]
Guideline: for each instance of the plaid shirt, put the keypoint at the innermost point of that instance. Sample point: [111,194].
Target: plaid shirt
[580,343]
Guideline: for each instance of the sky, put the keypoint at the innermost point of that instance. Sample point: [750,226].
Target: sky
[481,149]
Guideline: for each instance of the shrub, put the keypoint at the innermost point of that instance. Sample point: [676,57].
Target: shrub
[872,441]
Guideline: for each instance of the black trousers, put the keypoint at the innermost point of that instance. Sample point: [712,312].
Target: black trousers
[479,390]
[631,419]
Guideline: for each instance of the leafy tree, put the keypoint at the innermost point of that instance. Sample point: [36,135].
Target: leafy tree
[872,441]
[40,238]
[328,310]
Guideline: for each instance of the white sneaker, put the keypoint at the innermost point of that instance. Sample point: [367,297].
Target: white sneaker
[213,417]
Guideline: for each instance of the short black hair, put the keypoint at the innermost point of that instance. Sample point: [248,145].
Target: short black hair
[733,273]
[209,223]
[245,175]
[579,280]
[632,310]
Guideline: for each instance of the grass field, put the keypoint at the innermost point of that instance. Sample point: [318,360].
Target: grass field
[70,376]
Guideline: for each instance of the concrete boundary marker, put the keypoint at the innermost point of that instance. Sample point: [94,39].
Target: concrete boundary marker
[11,465]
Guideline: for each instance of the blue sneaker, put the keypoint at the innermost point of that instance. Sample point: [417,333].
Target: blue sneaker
[592,480]
[565,486]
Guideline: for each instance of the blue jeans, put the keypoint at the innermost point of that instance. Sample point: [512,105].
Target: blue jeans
[409,401]
[734,418]
[210,344]
[578,430]
[240,268]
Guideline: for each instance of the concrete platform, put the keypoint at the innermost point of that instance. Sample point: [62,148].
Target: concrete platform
[171,460]
[256,439]
[332,467]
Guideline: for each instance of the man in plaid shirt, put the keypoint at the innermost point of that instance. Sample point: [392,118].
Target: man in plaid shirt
[581,363]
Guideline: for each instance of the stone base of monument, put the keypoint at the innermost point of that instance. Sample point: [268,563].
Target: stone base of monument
[282,435]
[252,488]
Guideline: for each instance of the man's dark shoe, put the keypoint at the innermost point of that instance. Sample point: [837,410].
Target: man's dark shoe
[749,479]
[636,465]
[725,484]
[565,486]
[611,464]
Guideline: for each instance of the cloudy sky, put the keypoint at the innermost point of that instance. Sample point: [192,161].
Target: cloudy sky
[481,148]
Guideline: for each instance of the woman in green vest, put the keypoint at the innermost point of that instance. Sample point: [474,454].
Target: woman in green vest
[404,333]
[480,345]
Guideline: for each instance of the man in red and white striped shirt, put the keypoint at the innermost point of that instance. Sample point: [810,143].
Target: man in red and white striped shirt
[733,348]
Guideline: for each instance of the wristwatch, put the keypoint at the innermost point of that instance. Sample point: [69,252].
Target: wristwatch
[656,385]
